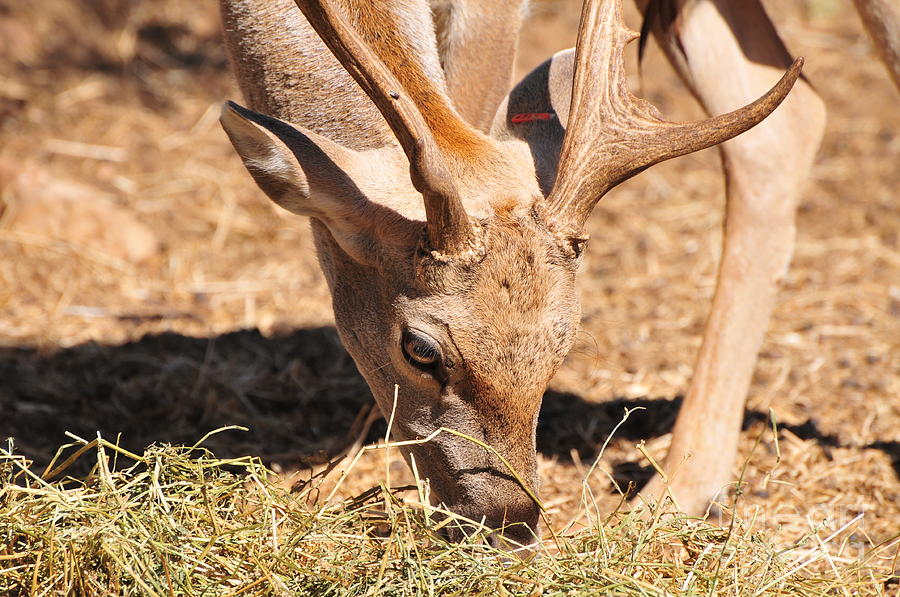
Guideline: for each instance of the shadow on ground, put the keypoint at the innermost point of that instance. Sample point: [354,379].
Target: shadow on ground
[300,395]
[570,425]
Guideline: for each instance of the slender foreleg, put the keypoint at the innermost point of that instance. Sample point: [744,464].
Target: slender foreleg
[882,19]
[729,52]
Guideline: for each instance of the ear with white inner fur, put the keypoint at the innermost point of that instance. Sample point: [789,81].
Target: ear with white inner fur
[310,175]
[536,112]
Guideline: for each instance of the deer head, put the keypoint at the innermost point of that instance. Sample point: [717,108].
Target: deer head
[452,255]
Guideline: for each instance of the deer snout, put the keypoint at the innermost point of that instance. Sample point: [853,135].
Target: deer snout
[506,508]
[517,528]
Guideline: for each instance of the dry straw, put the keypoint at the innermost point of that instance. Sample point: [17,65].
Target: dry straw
[179,521]
[87,83]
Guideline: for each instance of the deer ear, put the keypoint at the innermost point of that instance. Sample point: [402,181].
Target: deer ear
[536,111]
[278,156]
[310,175]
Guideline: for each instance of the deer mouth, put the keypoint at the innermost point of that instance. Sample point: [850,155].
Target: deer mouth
[513,524]
[485,497]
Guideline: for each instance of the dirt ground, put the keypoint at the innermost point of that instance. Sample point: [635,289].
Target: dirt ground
[148,289]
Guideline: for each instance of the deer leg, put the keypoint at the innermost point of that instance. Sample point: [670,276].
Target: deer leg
[729,53]
[882,20]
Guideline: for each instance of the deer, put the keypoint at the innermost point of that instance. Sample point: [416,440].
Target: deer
[448,210]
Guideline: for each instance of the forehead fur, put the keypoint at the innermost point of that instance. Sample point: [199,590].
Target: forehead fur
[521,311]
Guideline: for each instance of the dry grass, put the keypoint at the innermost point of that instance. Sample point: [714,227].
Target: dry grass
[178,521]
[115,103]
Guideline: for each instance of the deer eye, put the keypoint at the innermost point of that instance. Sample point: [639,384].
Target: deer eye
[421,349]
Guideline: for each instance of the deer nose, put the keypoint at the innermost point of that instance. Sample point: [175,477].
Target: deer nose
[513,523]
[519,540]
[516,527]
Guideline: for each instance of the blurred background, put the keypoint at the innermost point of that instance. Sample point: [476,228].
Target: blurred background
[147,288]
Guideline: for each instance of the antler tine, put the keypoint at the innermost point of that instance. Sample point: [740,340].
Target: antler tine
[612,135]
[449,231]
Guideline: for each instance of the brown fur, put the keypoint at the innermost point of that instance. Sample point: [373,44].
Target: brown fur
[477,44]
[521,294]
[506,314]
[882,20]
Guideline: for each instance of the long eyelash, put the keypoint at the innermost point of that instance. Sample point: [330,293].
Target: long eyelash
[424,350]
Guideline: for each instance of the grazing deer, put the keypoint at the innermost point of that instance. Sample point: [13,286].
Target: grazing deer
[450,229]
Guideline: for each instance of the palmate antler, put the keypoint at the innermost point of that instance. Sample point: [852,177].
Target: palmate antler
[613,135]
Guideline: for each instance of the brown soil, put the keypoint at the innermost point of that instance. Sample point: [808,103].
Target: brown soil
[221,316]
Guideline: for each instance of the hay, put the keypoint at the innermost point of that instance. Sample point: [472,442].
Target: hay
[178,521]
[121,96]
